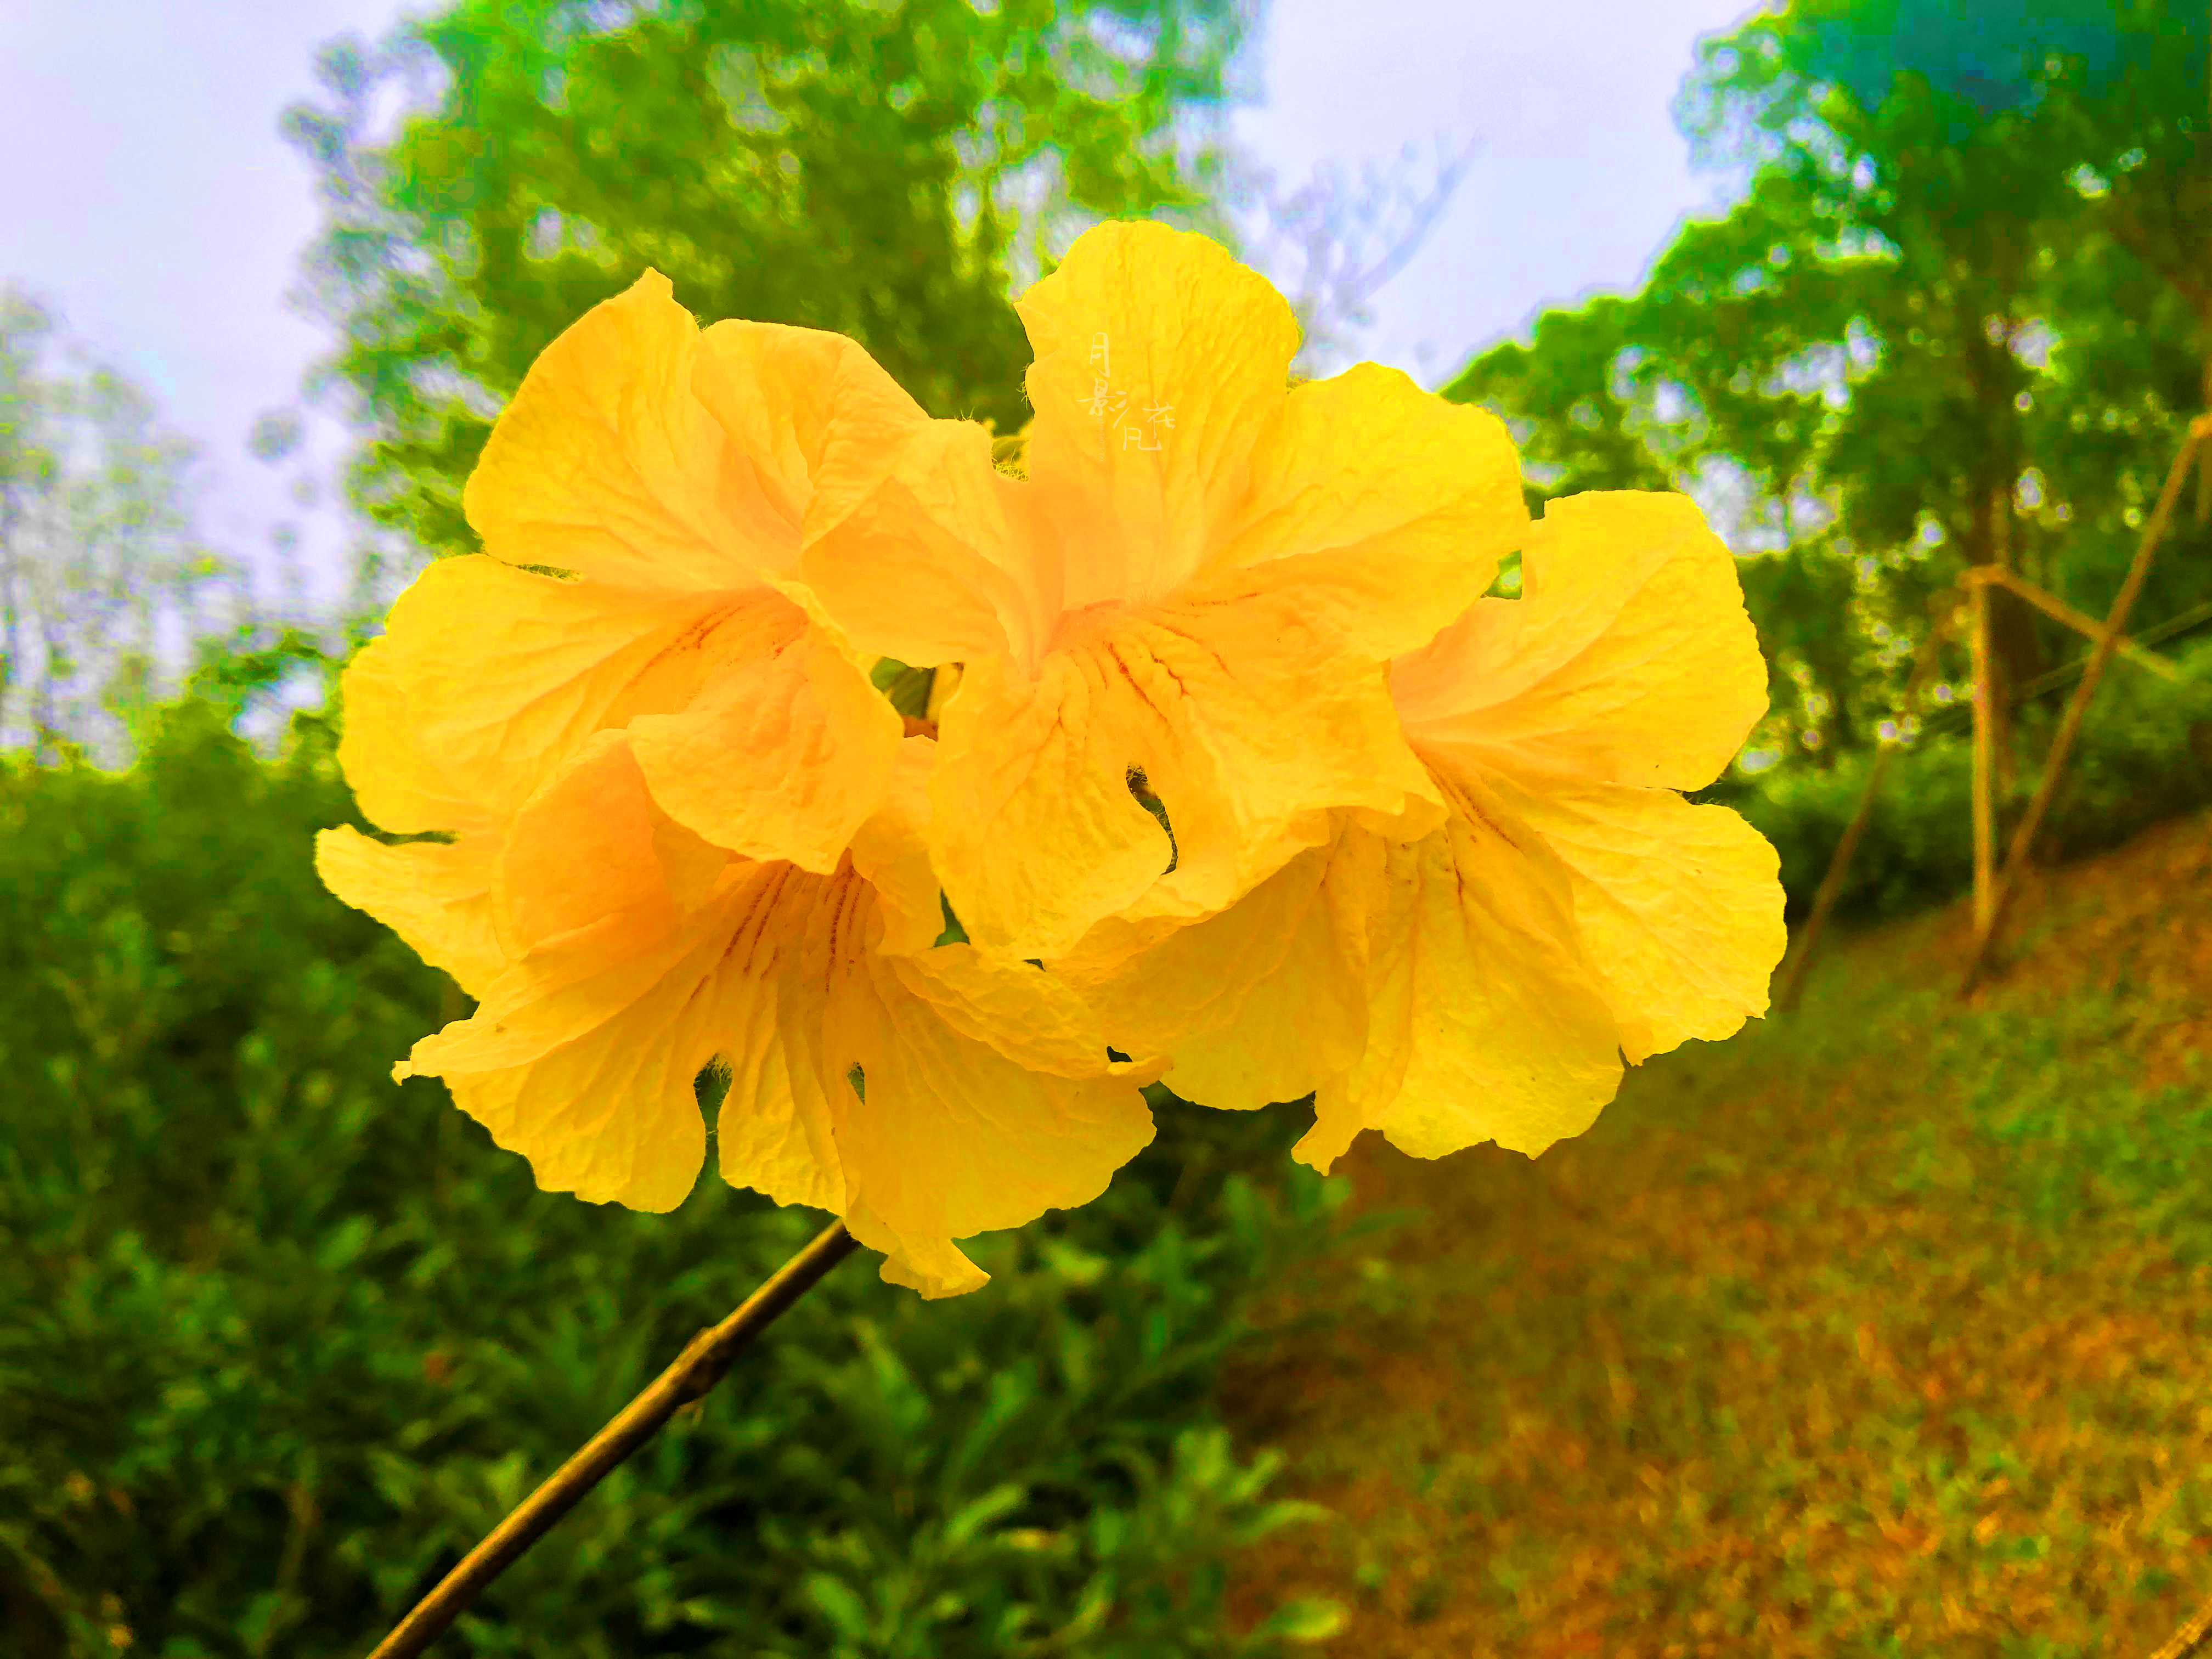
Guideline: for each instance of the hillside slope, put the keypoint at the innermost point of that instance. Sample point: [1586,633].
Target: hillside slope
[1879,1328]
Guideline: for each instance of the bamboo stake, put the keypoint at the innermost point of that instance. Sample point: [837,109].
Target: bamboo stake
[2001,727]
[2058,610]
[2070,726]
[706,1360]
[1831,885]
[2183,1642]
[1978,595]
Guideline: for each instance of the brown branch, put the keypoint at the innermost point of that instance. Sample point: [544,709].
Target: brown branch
[706,1360]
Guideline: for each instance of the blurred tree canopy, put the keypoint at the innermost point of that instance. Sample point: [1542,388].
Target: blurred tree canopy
[885,171]
[103,582]
[1958,316]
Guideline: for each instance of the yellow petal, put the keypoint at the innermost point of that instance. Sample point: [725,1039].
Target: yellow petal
[1031,1017]
[580,852]
[1159,361]
[400,785]
[582,1057]
[606,463]
[776,1131]
[508,672]
[1260,1003]
[817,421]
[1383,509]
[435,896]
[1628,657]
[1249,725]
[890,851]
[1679,906]
[641,954]
[931,567]
[1483,1023]
[780,757]
[952,1138]
[1034,831]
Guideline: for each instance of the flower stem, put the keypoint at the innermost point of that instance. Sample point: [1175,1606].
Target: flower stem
[706,1360]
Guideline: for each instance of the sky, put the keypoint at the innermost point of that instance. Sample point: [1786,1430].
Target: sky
[145,193]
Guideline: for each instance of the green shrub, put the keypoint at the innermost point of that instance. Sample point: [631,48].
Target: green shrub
[290,1339]
[2142,755]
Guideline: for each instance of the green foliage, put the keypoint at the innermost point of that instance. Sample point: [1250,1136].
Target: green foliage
[1562,396]
[2145,753]
[291,1338]
[1958,315]
[838,164]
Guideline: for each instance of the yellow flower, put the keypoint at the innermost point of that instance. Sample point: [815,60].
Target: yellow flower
[685,827]
[1191,594]
[1419,852]
[1485,981]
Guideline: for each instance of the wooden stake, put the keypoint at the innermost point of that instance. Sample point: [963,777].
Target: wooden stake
[2058,610]
[2108,639]
[1831,885]
[1978,645]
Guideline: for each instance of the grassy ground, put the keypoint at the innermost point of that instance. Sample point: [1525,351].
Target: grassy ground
[1880,1329]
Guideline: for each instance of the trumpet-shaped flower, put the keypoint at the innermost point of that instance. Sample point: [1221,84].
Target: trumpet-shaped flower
[683,826]
[642,501]
[1485,981]
[923,1092]
[1189,599]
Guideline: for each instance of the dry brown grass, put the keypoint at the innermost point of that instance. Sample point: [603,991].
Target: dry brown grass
[1879,1330]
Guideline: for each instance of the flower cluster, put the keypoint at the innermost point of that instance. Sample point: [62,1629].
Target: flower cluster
[1233,777]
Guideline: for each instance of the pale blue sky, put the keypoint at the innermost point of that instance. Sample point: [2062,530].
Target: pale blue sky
[143,188]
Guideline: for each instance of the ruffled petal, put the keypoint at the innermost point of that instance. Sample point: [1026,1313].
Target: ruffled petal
[400,786]
[890,851]
[1260,1003]
[580,853]
[944,1137]
[605,464]
[436,895]
[937,564]
[1248,724]
[1033,1017]
[782,756]
[1678,907]
[877,1085]
[1159,359]
[1378,509]
[1034,830]
[818,421]
[508,672]
[582,1057]
[1483,1023]
[640,953]
[611,1117]
[1628,657]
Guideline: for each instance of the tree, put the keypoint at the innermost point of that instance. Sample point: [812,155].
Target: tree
[1898,345]
[1348,236]
[102,574]
[890,173]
